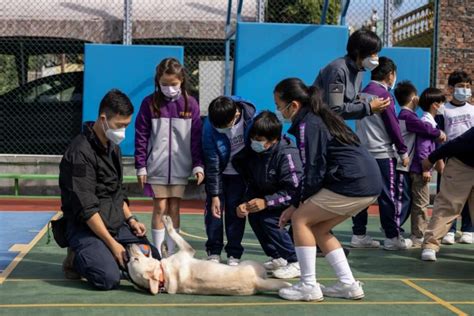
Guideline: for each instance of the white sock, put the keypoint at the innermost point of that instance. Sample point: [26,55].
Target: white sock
[307,259]
[338,261]
[158,236]
[170,243]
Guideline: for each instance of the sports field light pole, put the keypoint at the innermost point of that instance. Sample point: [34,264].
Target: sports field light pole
[127,23]
[261,11]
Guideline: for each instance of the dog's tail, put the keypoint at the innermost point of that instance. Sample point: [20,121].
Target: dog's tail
[270,284]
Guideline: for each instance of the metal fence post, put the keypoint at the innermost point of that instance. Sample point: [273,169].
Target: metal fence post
[261,11]
[127,23]
[387,23]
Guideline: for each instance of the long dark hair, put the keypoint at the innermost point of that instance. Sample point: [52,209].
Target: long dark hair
[169,66]
[294,89]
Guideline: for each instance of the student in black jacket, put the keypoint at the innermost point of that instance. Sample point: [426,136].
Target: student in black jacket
[340,179]
[272,170]
[457,189]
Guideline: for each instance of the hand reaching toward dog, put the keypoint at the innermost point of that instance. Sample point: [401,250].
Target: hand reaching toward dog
[119,253]
[286,216]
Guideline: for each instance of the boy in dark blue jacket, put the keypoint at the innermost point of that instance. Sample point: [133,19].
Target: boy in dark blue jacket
[223,137]
[272,169]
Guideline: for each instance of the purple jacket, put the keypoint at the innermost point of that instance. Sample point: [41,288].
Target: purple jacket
[168,147]
[379,132]
[425,145]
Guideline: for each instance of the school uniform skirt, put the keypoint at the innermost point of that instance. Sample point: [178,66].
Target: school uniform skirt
[341,204]
[159,191]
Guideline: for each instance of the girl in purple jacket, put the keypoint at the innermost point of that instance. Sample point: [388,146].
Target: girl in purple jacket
[168,145]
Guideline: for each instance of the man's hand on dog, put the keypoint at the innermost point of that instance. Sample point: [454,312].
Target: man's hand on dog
[119,253]
[138,228]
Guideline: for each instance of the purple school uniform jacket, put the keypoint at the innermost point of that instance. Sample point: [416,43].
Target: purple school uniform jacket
[168,146]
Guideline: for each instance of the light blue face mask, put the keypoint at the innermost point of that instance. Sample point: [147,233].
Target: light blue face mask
[280,116]
[257,146]
[462,94]
[223,130]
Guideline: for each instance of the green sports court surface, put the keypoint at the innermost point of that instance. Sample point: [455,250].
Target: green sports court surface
[396,283]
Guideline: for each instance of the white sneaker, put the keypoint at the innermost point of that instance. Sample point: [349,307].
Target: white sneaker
[302,292]
[417,242]
[466,238]
[290,271]
[428,255]
[231,261]
[273,264]
[214,258]
[364,241]
[397,243]
[352,291]
[448,239]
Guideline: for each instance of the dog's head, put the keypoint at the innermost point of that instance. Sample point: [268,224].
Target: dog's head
[144,271]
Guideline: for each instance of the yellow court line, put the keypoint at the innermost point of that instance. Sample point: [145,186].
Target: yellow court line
[435,298]
[9,269]
[214,304]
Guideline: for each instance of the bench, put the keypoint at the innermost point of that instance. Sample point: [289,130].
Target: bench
[18,176]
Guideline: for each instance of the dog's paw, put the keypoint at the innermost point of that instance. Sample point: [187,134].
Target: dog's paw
[167,222]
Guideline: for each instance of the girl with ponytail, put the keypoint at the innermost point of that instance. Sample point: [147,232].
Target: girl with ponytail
[340,179]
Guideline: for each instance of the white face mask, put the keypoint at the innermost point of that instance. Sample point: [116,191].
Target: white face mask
[393,84]
[172,92]
[370,63]
[462,94]
[116,135]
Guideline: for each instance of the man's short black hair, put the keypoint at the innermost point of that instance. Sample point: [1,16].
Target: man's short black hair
[404,91]
[266,124]
[430,96]
[385,67]
[458,76]
[222,111]
[363,43]
[115,102]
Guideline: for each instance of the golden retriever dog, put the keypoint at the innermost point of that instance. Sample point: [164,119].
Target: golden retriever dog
[182,273]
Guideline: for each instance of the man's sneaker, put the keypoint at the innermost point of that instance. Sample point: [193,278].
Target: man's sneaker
[70,272]
[364,241]
[352,291]
[417,242]
[214,258]
[273,264]
[302,292]
[397,243]
[290,271]
[448,239]
[466,238]
[231,261]
[428,255]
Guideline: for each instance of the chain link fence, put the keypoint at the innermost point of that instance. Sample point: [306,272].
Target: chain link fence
[42,47]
